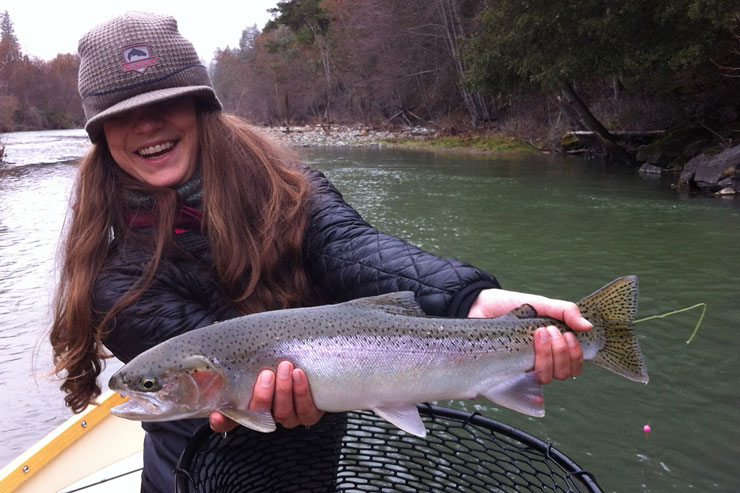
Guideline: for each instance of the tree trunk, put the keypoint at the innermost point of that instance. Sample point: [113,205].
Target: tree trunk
[287,112]
[326,63]
[566,110]
[611,148]
[452,27]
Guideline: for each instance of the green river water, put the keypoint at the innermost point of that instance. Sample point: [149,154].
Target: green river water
[563,228]
[557,227]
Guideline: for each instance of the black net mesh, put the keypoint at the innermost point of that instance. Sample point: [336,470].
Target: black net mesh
[360,452]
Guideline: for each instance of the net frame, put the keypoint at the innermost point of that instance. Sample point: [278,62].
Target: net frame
[360,452]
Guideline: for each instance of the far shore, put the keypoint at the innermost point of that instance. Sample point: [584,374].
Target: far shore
[418,138]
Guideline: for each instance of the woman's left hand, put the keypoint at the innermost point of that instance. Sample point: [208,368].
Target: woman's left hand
[287,395]
[557,355]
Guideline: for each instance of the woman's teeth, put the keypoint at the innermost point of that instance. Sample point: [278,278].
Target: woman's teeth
[156,150]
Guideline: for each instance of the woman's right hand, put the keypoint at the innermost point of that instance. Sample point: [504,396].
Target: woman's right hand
[287,395]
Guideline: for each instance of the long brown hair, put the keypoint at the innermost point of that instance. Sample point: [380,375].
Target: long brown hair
[254,219]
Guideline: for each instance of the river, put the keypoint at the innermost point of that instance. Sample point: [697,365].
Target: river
[558,227]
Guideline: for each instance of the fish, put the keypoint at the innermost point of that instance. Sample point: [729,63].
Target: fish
[380,353]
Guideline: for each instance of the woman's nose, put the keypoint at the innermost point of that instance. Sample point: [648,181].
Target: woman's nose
[146,119]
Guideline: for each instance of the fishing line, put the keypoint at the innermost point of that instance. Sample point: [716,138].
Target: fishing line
[669,385]
[674,312]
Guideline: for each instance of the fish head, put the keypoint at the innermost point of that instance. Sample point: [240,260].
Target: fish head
[191,388]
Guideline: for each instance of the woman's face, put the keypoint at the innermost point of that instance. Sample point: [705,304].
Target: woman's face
[157,144]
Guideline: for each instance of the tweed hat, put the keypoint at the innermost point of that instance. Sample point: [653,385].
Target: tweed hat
[136,59]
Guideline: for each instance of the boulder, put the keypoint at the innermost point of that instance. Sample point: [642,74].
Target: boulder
[706,173]
[674,148]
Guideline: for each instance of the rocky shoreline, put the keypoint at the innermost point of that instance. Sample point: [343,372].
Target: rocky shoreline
[344,136]
[717,174]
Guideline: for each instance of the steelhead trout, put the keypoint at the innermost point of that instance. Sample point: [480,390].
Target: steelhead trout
[380,353]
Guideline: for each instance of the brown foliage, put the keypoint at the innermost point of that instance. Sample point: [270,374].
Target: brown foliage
[380,61]
[45,94]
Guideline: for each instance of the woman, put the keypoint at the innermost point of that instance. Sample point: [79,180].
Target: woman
[183,216]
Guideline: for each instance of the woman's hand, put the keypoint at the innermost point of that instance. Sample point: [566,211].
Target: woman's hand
[557,355]
[287,395]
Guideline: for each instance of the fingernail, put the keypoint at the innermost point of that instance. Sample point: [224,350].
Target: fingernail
[297,376]
[571,340]
[284,370]
[266,378]
[554,332]
[543,335]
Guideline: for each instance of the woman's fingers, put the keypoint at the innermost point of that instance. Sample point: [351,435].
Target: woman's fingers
[575,354]
[305,409]
[557,355]
[560,355]
[542,356]
[282,405]
[293,404]
[566,311]
[286,394]
[263,391]
[220,423]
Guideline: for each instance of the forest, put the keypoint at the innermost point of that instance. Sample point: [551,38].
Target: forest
[532,70]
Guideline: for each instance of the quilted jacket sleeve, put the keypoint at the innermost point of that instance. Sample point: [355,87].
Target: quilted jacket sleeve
[348,258]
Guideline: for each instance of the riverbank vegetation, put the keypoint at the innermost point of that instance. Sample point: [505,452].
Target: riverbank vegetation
[36,94]
[623,74]
[473,143]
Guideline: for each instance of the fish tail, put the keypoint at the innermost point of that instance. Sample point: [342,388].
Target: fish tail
[612,309]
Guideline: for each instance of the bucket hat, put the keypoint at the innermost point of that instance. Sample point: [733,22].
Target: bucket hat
[136,59]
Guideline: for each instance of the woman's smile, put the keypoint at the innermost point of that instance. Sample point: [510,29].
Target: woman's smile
[157,150]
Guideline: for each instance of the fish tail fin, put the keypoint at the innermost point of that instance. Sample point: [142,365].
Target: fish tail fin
[613,309]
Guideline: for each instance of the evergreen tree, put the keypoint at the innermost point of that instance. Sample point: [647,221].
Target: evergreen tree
[10,50]
[556,44]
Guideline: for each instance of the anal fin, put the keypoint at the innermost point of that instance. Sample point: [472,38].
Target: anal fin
[405,416]
[522,394]
[258,420]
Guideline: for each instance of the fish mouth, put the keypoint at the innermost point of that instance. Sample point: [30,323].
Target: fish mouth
[140,407]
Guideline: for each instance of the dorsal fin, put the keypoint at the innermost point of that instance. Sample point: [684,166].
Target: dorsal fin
[400,303]
[524,311]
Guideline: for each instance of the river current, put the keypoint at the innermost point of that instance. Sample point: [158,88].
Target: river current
[553,226]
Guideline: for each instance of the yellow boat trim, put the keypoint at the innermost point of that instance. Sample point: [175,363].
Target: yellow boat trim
[13,475]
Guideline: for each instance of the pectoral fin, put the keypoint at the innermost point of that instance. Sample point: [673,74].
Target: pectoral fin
[405,416]
[522,394]
[258,420]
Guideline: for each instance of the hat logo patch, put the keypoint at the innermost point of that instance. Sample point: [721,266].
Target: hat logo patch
[138,58]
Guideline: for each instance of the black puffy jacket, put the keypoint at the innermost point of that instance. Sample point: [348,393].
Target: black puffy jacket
[347,259]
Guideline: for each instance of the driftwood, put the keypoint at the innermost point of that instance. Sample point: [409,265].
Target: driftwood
[624,133]
[587,140]
[612,149]
[402,113]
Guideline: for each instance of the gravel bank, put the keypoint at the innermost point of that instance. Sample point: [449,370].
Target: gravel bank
[343,136]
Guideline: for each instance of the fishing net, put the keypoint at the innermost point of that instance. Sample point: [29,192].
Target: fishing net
[359,452]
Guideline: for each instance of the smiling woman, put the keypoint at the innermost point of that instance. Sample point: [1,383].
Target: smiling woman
[157,144]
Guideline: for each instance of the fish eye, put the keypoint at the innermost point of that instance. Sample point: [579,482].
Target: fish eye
[149,384]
